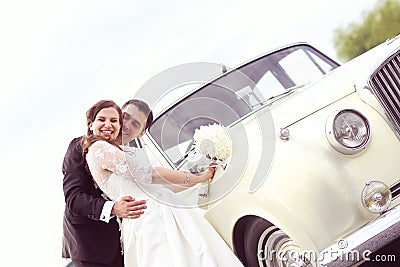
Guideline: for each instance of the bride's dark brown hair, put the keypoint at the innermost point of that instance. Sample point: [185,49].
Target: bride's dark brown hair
[91,114]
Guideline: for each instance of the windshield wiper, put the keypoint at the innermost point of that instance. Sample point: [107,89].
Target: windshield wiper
[279,96]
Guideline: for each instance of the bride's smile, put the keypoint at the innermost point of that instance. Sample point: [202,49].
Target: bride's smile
[106,124]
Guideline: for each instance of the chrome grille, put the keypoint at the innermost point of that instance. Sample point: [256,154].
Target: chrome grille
[395,190]
[385,84]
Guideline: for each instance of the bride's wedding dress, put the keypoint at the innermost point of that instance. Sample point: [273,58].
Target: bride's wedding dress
[167,234]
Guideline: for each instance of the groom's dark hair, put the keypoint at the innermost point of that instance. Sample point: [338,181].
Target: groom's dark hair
[143,107]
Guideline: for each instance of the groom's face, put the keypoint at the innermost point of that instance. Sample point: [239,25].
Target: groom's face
[134,123]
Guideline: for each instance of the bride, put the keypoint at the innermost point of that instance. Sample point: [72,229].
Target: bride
[167,234]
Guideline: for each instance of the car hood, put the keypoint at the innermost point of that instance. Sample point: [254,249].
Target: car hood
[334,86]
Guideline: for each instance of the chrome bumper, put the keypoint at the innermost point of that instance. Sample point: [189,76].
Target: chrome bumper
[359,245]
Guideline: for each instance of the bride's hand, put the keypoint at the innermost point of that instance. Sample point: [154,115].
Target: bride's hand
[209,175]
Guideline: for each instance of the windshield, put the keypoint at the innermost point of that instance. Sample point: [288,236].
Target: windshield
[232,96]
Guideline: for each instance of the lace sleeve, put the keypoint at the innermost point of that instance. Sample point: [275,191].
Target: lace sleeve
[104,158]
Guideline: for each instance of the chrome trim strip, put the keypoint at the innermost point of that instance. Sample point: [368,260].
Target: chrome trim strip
[369,238]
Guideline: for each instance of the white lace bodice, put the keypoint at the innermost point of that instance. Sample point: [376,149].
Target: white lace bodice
[118,172]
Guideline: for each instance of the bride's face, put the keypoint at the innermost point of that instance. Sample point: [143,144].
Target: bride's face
[106,124]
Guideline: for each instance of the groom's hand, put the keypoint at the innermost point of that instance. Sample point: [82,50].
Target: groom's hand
[129,208]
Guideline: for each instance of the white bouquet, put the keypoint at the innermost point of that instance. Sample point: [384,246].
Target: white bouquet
[213,142]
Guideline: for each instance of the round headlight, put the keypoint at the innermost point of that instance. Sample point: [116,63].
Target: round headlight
[348,131]
[376,196]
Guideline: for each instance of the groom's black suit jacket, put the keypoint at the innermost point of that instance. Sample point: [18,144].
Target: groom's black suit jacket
[85,237]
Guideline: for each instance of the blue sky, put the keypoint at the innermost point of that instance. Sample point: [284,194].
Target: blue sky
[59,57]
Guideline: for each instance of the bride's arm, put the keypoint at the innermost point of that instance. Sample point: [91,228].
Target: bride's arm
[139,161]
[162,175]
[102,156]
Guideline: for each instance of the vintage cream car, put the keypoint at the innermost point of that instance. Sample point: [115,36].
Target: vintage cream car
[314,174]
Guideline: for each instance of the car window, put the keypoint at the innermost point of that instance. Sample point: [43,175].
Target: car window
[235,94]
[216,104]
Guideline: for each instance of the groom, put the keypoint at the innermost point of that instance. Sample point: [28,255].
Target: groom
[91,235]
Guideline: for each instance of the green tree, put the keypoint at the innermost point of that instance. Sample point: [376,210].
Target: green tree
[380,24]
